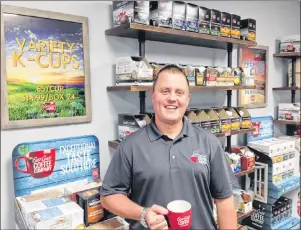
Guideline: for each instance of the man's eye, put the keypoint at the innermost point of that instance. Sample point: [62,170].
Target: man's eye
[180,93]
[165,91]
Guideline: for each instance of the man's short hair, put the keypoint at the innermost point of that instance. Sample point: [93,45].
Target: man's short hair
[171,68]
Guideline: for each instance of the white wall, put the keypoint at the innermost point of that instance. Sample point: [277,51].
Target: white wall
[273,19]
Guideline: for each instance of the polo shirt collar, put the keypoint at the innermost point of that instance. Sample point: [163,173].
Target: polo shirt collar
[154,134]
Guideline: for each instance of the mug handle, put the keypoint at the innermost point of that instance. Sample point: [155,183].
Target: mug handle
[17,164]
[167,220]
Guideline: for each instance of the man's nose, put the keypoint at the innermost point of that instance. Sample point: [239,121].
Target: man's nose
[172,96]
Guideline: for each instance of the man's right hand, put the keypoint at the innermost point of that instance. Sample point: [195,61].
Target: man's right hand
[154,217]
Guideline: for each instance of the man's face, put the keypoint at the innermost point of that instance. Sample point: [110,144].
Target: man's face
[170,97]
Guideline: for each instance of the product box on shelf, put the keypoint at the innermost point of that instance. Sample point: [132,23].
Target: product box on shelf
[235,118]
[190,73]
[45,172]
[235,26]
[225,121]
[89,201]
[243,201]
[248,29]
[112,223]
[204,119]
[212,73]
[192,117]
[130,123]
[130,11]
[192,17]
[297,73]
[290,44]
[178,15]
[161,13]
[156,68]
[224,78]
[247,157]
[245,117]
[204,20]
[234,161]
[291,138]
[289,111]
[237,74]
[200,75]
[214,121]
[215,22]
[225,24]
[133,71]
[65,216]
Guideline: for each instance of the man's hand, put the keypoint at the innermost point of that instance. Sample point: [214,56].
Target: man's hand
[154,217]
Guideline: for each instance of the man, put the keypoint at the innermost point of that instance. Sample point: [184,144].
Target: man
[170,159]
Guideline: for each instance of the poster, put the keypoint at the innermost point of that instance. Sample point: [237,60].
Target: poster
[264,128]
[45,62]
[254,62]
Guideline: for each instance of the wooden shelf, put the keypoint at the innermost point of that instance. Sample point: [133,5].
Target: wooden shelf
[245,172]
[286,88]
[115,143]
[137,88]
[241,216]
[161,34]
[288,55]
[287,122]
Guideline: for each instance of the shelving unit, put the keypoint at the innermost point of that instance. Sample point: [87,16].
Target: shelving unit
[293,56]
[167,35]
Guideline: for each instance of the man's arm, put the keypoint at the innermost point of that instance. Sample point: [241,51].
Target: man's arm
[121,205]
[226,214]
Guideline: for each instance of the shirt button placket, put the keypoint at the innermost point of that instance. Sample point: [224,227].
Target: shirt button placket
[173,157]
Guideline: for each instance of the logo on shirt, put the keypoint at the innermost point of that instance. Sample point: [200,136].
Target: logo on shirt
[198,157]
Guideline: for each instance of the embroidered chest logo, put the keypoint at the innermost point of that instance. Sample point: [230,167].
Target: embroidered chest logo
[198,157]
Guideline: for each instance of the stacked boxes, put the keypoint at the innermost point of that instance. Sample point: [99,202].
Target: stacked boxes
[204,20]
[289,111]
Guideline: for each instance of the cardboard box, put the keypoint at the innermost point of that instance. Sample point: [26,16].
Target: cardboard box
[247,158]
[290,43]
[130,123]
[215,22]
[212,73]
[112,223]
[190,74]
[289,111]
[178,15]
[192,17]
[235,118]
[200,75]
[214,121]
[130,11]
[224,78]
[248,29]
[268,147]
[225,121]
[65,216]
[204,119]
[225,24]
[161,13]
[89,201]
[297,73]
[243,201]
[235,26]
[245,117]
[204,20]
[133,71]
[190,114]
[234,161]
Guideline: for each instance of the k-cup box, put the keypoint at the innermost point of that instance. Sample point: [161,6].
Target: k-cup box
[192,117]
[214,121]
[245,117]
[130,11]
[235,26]
[89,201]
[225,24]
[224,78]
[41,195]
[204,119]
[289,111]
[192,17]
[65,216]
[204,20]
[200,75]
[178,15]
[112,223]
[161,13]
[235,118]
[215,22]
[212,73]
[225,121]
[290,43]
[130,123]
[28,207]
[133,71]
[248,29]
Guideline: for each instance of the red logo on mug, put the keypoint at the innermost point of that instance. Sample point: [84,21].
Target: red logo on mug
[39,163]
[179,214]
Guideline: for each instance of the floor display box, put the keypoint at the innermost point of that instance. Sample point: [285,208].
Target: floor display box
[56,185]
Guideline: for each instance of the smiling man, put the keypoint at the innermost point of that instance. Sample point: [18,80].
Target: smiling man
[170,159]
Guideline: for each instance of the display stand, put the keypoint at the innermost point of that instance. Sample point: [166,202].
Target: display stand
[153,33]
[44,165]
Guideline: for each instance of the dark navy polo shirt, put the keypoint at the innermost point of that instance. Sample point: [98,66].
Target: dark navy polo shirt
[158,170]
